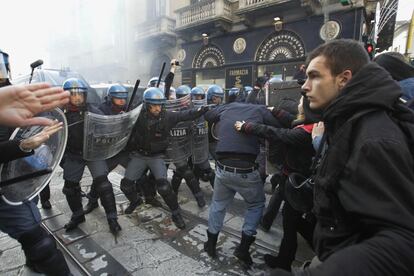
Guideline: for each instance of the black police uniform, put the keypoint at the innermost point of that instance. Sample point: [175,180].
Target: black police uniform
[122,159]
[73,167]
[149,141]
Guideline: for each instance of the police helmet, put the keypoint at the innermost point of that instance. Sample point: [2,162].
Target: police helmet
[214,90]
[4,65]
[248,89]
[197,91]
[117,91]
[182,91]
[75,85]
[234,91]
[154,95]
[153,82]
[275,80]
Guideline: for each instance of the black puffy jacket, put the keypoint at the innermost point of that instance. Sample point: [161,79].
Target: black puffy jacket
[364,188]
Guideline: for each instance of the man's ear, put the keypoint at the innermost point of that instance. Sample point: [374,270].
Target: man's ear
[344,78]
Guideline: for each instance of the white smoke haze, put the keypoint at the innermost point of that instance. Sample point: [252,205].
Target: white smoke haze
[92,37]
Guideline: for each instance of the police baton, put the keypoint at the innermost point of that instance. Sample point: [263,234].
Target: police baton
[134,92]
[162,72]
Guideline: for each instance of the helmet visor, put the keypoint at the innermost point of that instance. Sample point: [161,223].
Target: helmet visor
[77,91]
[4,66]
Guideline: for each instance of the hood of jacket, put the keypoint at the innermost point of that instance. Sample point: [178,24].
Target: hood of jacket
[372,88]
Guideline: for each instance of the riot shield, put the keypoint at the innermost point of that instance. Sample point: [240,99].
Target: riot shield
[282,95]
[199,137]
[179,147]
[279,93]
[106,135]
[26,177]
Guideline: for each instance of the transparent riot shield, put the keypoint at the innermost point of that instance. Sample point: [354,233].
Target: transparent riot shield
[106,135]
[281,95]
[199,137]
[23,179]
[179,148]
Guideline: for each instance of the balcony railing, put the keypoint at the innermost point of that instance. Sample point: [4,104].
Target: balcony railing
[161,25]
[256,4]
[203,11]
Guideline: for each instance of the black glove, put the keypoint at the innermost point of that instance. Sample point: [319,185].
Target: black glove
[204,108]
[260,82]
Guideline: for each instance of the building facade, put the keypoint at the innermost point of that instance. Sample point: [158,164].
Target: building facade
[231,43]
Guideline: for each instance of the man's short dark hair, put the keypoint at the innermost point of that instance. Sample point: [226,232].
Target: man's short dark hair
[341,55]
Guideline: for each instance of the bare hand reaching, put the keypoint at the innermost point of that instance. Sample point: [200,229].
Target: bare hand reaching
[20,103]
[38,139]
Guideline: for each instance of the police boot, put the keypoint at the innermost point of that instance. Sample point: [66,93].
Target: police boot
[114,226]
[176,182]
[44,197]
[153,201]
[72,191]
[178,219]
[170,198]
[194,186]
[46,204]
[41,253]
[128,187]
[92,199]
[242,251]
[212,177]
[106,194]
[278,262]
[272,210]
[210,244]
[149,187]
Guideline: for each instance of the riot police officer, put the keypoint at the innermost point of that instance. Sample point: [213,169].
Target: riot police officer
[22,222]
[202,170]
[215,95]
[234,93]
[74,164]
[182,168]
[247,90]
[116,103]
[150,140]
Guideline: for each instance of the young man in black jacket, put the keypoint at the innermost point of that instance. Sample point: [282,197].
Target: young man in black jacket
[364,191]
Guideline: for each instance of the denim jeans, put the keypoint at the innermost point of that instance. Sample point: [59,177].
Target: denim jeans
[249,186]
[16,220]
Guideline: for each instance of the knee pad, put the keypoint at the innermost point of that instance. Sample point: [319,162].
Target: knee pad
[128,186]
[179,172]
[206,175]
[188,174]
[163,187]
[102,184]
[176,179]
[71,188]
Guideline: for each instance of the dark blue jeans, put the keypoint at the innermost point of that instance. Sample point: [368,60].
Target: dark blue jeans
[249,186]
[17,219]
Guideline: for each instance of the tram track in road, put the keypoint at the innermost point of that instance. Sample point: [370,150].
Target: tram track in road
[76,267]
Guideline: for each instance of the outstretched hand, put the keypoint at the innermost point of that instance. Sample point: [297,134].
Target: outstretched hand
[20,103]
[38,139]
